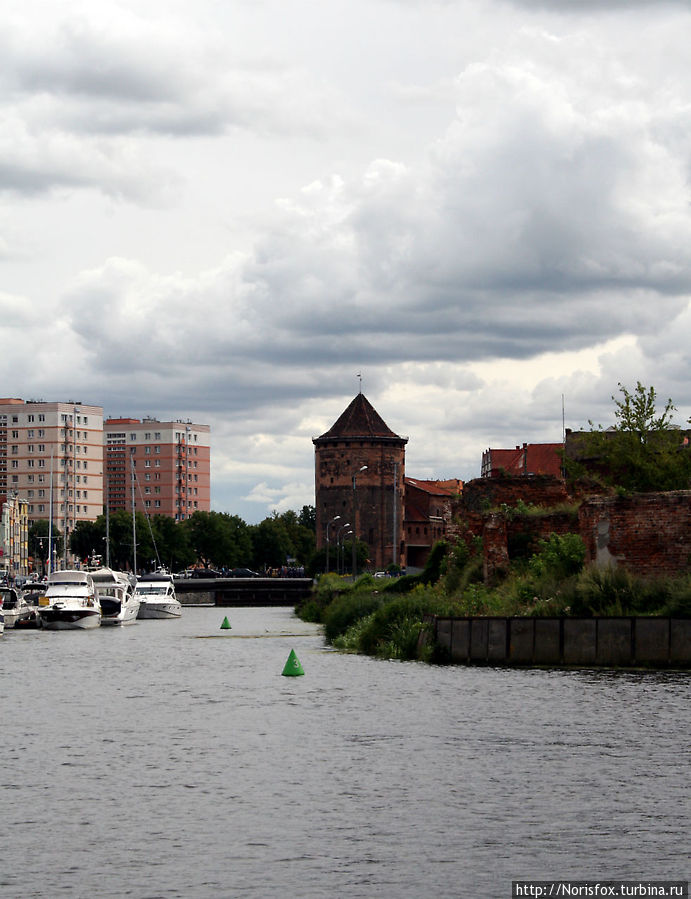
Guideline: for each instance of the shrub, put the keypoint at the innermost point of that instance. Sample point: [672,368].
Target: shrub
[559,556]
[346,610]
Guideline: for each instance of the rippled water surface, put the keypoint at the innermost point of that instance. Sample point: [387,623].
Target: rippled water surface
[172,759]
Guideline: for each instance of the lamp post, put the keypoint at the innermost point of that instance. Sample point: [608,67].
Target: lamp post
[342,549]
[328,525]
[338,544]
[355,474]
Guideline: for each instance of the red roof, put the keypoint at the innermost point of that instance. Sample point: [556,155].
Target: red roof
[531,458]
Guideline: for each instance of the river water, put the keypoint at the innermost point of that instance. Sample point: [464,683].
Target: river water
[172,759]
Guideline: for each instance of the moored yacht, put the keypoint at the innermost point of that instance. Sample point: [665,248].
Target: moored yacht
[15,608]
[117,595]
[156,593]
[71,601]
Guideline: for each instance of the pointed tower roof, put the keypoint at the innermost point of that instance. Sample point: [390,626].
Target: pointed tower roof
[360,421]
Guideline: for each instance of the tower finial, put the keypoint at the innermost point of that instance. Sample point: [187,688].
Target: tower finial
[359,377]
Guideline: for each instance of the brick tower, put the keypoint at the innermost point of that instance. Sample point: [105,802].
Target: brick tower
[359,475]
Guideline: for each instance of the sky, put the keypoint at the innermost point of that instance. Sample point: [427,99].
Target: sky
[242,212]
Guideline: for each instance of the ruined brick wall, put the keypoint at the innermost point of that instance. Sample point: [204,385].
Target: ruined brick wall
[483,494]
[648,534]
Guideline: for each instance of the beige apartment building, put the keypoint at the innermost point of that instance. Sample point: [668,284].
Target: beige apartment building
[52,444]
[170,461]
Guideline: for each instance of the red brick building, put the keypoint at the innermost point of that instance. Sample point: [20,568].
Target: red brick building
[428,512]
[526,460]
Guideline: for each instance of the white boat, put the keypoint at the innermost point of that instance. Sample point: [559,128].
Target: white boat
[157,597]
[32,593]
[71,602]
[117,595]
[15,608]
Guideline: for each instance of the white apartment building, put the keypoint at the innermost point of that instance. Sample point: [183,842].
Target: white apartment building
[58,445]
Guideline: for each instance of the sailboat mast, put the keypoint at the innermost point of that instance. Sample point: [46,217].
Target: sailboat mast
[107,525]
[50,521]
[134,524]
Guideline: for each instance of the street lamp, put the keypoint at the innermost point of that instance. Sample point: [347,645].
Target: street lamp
[338,544]
[364,468]
[342,550]
[328,524]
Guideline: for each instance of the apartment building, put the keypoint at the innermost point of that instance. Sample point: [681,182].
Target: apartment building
[58,445]
[170,461]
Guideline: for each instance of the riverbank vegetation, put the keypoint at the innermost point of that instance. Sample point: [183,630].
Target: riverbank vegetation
[386,617]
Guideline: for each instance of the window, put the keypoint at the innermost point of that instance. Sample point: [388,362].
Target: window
[147,436]
[41,416]
[133,436]
[41,464]
[15,450]
[41,432]
[15,435]
[30,433]
[157,435]
[29,418]
[31,479]
[15,478]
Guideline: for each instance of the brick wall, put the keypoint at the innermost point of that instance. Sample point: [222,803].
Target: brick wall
[648,534]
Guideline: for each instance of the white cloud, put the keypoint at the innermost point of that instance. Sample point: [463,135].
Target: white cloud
[479,231]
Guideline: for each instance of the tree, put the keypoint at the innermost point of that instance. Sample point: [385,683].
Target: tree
[210,537]
[38,541]
[637,416]
[644,452]
[272,544]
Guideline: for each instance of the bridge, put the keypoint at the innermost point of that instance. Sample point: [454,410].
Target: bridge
[243,591]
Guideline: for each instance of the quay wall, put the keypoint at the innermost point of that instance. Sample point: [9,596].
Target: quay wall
[580,642]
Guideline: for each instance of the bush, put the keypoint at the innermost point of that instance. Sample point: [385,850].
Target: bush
[343,612]
[559,556]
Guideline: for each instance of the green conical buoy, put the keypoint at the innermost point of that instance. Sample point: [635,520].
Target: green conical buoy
[226,624]
[293,668]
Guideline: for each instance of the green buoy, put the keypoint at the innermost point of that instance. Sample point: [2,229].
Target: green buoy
[226,624]
[292,668]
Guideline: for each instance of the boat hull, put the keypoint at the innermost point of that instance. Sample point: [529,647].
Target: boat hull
[114,613]
[69,619]
[159,609]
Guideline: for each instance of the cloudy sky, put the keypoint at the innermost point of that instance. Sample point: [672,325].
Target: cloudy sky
[225,210]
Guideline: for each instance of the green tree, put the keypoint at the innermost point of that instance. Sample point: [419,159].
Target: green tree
[271,543]
[643,452]
[38,541]
[210,537]
[87,539]
[172,543]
